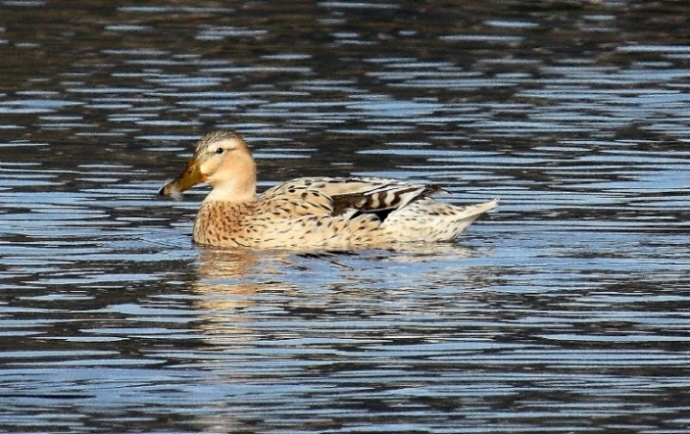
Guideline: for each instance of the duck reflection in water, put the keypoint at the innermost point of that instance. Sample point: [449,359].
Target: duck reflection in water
[238,290]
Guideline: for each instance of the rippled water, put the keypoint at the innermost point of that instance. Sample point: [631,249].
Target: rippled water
[567,310]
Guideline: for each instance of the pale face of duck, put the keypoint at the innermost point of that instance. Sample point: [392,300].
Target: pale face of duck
[222,159]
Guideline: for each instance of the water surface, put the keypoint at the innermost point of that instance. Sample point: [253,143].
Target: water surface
[565,311]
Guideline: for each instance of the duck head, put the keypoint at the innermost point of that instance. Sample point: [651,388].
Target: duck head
[223,160]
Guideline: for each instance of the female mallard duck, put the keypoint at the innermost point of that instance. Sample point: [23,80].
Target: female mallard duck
[329,213]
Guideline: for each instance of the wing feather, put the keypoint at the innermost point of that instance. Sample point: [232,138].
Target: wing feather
[338,196]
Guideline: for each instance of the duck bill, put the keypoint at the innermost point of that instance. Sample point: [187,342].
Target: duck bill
[189,177]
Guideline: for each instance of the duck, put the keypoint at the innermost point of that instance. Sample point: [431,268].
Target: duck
[311,212]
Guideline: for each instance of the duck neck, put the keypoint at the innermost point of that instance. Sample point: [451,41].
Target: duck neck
[236,185]
[237,194]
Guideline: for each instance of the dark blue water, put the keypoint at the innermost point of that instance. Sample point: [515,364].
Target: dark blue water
[565,311]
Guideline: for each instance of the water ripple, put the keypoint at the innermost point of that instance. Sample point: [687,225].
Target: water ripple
[563,311]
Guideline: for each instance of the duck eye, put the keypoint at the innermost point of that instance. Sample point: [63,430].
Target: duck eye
[219,151]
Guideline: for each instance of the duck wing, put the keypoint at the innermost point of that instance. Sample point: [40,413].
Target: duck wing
[349,197]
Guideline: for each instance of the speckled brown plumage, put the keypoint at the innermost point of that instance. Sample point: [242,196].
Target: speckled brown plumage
[304,213]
